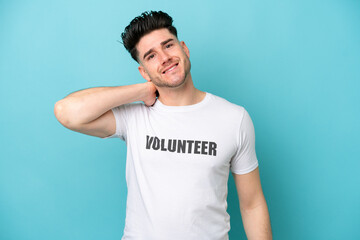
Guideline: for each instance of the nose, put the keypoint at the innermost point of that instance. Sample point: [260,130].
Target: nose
[164,57]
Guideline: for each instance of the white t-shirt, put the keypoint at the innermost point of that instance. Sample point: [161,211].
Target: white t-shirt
[177,167]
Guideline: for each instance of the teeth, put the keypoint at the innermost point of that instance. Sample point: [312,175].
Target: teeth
[171,68]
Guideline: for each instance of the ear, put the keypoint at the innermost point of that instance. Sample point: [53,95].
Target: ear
[144,74]
[185,48]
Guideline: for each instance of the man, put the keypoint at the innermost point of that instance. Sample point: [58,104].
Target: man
[180,146]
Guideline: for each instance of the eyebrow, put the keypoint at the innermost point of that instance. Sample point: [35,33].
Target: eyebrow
[162,44]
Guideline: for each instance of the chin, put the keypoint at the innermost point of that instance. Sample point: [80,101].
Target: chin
[173,83]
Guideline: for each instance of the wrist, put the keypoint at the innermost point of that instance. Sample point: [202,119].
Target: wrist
[146,90]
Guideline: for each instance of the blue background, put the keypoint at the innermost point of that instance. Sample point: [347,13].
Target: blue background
[294,65]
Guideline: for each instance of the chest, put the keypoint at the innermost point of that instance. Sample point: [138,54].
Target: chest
[196,140]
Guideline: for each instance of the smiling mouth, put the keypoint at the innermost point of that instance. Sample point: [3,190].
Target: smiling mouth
[170,69]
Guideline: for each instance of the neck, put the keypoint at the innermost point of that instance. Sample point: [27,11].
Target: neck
[183,95]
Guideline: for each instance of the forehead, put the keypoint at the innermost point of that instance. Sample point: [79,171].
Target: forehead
[153,39]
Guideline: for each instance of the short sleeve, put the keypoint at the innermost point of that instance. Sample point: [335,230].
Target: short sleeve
[245,160]
[120,114]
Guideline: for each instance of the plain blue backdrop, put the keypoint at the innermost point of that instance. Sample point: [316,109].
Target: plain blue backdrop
[294,65]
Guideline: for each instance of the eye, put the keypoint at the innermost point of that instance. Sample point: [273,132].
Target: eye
[169,45]
[151,56]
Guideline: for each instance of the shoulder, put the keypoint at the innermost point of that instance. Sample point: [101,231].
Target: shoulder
[225,106]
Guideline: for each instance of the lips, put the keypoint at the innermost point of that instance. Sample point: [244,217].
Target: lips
[170,68]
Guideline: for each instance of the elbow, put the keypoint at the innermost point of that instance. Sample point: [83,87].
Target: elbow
[253,200]
[61,111]
[257,203]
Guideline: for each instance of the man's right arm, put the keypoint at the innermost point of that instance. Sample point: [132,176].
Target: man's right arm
[89,111]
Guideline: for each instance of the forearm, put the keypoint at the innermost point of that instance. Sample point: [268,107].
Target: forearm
[87,105]
[257,222]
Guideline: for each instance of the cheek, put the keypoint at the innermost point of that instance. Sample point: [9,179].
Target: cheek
[185,56]
[148,69]
[153,71]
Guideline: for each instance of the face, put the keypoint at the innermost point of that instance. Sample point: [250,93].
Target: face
[163,59]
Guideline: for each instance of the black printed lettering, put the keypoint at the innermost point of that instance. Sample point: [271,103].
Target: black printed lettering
[212,148]
[190,142]
[156,144]
[181,146]
[163,145]
[172,147]
[148,141]
[197,147]
[204,147]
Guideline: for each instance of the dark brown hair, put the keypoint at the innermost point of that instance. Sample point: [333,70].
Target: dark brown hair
[142,25]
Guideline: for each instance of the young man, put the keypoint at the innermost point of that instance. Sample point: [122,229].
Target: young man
[180,146]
